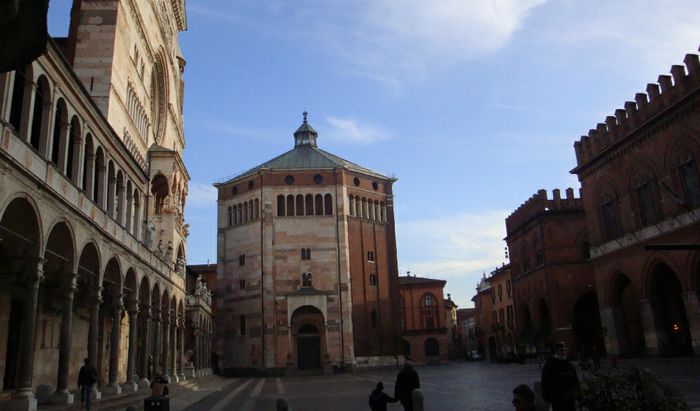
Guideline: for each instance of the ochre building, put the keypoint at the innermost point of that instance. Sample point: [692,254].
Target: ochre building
[307,274]
[92,198]
[423,319]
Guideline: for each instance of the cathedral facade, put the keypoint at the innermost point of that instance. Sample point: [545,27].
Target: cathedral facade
[307,275]
[92,197]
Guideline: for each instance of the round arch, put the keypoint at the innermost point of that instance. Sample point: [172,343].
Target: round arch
[308,331]
[670,319]
[627,315]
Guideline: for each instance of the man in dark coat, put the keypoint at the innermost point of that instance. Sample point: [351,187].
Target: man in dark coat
[406,381]
[378,398]
[560,383]
[86,377]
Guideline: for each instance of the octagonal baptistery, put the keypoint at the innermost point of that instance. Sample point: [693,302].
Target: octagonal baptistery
[307,271]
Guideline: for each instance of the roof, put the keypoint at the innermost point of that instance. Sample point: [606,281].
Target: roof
[306,156]
[410,280]
[197,268]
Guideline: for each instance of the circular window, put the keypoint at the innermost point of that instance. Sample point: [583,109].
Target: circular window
[251,185]
[234,190]
[289,180]
[318,179]
[375,185]
[356,181]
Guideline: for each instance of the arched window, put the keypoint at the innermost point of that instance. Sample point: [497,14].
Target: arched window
[242,324]
[373,279]
[306,280]
[365,213]
[290,205]
[382,211]
[646,200]
[120,197]
[73,150]
[40,115]
[88,166]
[429,311]
[319,204]
[59,131]
[370,209]
[99,178]
[228,216]
[280,205]
[351,205]
[250,210]
[690,180]
[245,212]
[309,203]
[300,204]
[239,213]
[129,206]
[137,212]
[257,208]
[159,188]
[609,216]
[17,105]
[328,204]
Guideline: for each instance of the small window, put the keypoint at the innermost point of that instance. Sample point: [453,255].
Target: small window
[241,282]
[306,280]
[241,260]
[328,204]
[356,181]
[289,180]
[500,292]
[234,190]
[373,279]
[242,325]
[375,186]
[251,184]
[280,206]
[370,256]
[318,179]
[305,253]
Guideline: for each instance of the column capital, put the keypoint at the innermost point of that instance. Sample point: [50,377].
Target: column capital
[33,272]
[133,306]
[96,296]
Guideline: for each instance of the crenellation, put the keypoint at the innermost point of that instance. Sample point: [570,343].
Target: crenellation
[692,62]
[653,91]
[666,83]
[642,101]
[679,77]
[540,203]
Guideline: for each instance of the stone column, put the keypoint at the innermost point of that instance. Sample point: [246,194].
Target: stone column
[90,179]
[692,312]
[114,388]
[145,347]
[23,397]
[166,346]
[76,166]
[131,378]
[607,322]
[93,333]
[102,182]
[650,338]
[156,342]
[196,349]
[62,395]
[181,358]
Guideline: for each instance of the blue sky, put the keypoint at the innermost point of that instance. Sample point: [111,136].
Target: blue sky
[472,104]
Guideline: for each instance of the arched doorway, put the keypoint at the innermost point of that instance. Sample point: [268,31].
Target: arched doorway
[432,348]
[308,328]
[19,230]
[406,348]
[527,333]
[545,326]
[670,321]
[587,328]
[628,322]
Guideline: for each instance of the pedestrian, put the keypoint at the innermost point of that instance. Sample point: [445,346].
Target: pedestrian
[523,398]
[560,383]
[87,376]
[378,398]
[406,381]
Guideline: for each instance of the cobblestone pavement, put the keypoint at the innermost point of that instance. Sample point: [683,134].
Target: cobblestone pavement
[455,386]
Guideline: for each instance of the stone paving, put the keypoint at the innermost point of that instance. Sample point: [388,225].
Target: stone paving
[454,386]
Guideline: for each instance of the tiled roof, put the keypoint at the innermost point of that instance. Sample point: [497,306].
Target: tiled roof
[410,280]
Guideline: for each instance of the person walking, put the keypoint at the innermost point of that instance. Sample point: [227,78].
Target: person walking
[560,383]
[523,398]
[406,381]
[378,398]
[86,377]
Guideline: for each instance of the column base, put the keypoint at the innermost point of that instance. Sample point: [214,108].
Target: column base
[64,397]
[181,376]
[23,401]
[43,393]
[96,394]
[130,387]
[190,372]
[144,384]
[112,389]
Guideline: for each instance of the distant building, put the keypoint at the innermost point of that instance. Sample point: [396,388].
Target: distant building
[483,304]
[555,297]
[307,272]
[200,337]
[466,331]
[423,319]
[640,188]
[451,325]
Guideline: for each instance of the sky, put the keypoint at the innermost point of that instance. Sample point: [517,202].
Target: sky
[473,105]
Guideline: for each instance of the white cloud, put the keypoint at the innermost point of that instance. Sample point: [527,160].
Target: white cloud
[453,246]
[351,130]
[201,195]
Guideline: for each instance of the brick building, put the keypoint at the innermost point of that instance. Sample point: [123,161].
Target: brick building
[466,331]
[483,304]
[641,187]
[423,319]
[307,274]
[453,348]
[92,199]
[555,298]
